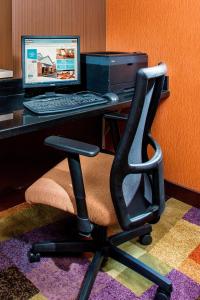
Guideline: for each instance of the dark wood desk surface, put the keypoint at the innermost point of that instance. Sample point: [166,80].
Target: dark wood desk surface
[16,120]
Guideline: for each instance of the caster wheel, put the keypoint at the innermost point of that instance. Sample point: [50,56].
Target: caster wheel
[161,295]
[145,239]
[33,257]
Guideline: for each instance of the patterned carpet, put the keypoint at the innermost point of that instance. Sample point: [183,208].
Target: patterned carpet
[175,252]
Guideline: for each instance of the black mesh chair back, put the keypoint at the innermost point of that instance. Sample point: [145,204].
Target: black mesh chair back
[136,181]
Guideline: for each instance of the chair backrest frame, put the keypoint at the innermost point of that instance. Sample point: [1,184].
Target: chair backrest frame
[149,84]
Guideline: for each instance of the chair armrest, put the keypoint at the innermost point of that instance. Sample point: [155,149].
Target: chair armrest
[150,164]
[71,146]
[113,118]
[116,116]
[73,149]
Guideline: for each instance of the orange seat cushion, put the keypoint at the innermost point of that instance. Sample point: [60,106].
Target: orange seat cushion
[55,189]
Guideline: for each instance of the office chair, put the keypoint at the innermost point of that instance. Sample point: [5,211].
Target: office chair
[102,190]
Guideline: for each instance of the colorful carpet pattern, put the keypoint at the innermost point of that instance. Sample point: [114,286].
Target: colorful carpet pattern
[175,252]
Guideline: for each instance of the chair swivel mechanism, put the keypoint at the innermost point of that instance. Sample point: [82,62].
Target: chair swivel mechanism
[102,190]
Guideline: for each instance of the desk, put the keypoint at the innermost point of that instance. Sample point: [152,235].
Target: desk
[16,120]
[16,123]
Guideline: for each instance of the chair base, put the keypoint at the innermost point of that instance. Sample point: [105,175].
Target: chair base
[104,247]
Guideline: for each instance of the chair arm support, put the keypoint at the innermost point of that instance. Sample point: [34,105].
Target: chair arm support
[84,225]
[73,149]
[150,164]
[71,146]
[116,116]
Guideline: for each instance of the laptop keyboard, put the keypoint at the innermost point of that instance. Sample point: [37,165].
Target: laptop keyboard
[64,103]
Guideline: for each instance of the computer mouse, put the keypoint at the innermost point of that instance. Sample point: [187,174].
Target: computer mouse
[111,96]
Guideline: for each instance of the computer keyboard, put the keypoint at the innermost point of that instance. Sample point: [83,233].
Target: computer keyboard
[64,103]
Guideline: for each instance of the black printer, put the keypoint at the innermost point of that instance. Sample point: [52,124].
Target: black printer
[111,71]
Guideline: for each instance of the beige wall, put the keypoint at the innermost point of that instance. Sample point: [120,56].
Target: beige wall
[59,17]
[49,17]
